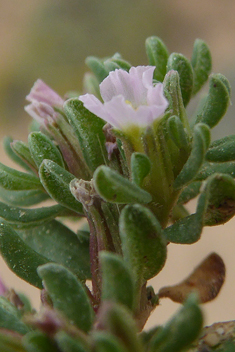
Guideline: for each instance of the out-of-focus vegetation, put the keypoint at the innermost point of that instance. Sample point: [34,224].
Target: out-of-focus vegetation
[50,39]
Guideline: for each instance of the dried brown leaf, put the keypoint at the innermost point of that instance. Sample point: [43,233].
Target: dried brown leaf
[207,280]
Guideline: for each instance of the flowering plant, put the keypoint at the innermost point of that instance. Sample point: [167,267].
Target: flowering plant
[125,159]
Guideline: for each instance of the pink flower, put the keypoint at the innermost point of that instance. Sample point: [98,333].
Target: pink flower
[43,99]
[129,98]
[42,93]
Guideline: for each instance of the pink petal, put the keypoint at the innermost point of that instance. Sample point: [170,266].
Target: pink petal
[40,112]
[156,96]
[42,93]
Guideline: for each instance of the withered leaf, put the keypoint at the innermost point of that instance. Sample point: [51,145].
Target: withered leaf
[207,280]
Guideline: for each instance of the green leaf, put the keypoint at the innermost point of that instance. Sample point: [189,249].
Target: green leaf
[122,64]
[157,56]
[59,244]
[217,101]
[67,343]
[91,84]
[8,147]
[114,188]
[23,198]
[68,295]
[188,229]
[222,150]
[97,67]
[209,169]
[221,199]
[55,180]
[182,65]
[16,180]
[177,132]
[201,63]
[201,141]
[180,331]
[24,218]
[36,341]
[10,343]
[117,282]
[116,319]
[88,129]
[144,247]
[189,192]
[105,342]
[41,147]
[20,258]
[173,93]
[22,150]
[10,317]
[140,167]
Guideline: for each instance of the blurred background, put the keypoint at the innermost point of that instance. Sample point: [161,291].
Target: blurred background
[50,39]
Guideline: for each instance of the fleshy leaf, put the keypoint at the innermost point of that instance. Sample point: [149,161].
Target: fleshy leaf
[67,343]
[140,167]
[117,282]
[180,331]
[217,101]
[201,141]
[115,188]
[221,199]
[23,198]
[55,180]
[22,150]
[209,169]
[144,247]
[97,67]
[189,192]
[36,341]
[117,320]
[59,244]
[41,147]
[201,63]
[222,150]
[7,144]
[188,230]
[88,129]
[91,84]
[68,295]
[123,64]
[25,218]
[106,342]
[157,56]
[216,205]
[182,65]
[20,258]
[17,180]
[177,132]
[10,317]
[173,93]
[11,343]
[207,280]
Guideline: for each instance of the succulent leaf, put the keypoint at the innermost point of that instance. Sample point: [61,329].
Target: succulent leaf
[157,56]
[56,180]
[114,188]
[201,63]
[68,295]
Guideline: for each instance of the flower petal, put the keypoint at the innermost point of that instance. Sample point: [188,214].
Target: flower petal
[42,93]
[40,112]
[133,85]
[129,98]
[156,96]
[116,111]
